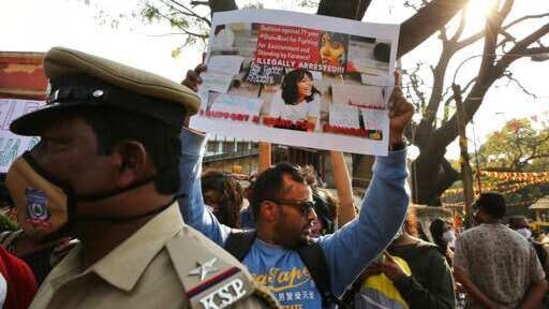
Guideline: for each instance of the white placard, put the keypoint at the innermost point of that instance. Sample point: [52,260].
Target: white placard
[11,145]
[304,67]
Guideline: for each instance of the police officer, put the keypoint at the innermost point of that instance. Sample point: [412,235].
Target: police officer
[106,170]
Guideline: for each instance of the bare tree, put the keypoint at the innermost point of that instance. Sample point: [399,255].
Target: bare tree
[501,48]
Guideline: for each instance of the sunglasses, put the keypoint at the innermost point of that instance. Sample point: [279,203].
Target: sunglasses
[302,206]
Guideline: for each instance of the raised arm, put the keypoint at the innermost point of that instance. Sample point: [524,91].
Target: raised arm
[382,210]
[344,188]
[191,203]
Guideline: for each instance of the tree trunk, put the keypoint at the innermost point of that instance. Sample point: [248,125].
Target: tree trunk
[432,174]
[222,5]
[351,9]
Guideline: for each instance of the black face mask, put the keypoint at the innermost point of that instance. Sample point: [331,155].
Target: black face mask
[46,207]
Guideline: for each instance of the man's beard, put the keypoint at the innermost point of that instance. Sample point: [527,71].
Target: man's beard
[290,241]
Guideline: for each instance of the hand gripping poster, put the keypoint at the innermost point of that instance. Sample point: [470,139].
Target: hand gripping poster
[299,80]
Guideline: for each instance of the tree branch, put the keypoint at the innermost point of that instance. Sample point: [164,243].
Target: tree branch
[197,3]
[519,84]
[174,3]
[425,22]
[222,5]
[186,32]
[523,18]
[521,48]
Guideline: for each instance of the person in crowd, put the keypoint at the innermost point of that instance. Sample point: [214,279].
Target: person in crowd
[326,208]
[282,203]
[326,205]
[331,212]
[105,170]
[495,265]
[427,284]
[17,282]
[224,195]
[444,237]
[520,225]
[299,101]
[246,215]
[40,256]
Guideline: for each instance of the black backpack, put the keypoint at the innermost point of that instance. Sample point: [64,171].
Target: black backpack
[238,244]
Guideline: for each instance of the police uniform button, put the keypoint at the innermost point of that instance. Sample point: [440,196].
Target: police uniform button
[98,93]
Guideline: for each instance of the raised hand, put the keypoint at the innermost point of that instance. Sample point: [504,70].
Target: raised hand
[400,112]
[193,79]
[391,269]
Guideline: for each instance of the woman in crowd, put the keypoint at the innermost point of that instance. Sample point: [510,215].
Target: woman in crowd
[443,237]
[224,195]
[416,269]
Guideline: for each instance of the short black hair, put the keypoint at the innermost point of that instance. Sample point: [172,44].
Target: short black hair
[492,203]
[437,228]
[161,141]
[269,185]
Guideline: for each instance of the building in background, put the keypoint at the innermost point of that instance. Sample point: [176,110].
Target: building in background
[22,75]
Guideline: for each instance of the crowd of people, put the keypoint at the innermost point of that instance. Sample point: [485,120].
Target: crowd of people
[115,211]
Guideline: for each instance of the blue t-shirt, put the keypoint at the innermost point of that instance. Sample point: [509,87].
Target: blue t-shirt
[347,251]
[283,272]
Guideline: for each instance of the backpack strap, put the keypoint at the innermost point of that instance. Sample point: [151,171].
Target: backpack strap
[239,243]
[314,259]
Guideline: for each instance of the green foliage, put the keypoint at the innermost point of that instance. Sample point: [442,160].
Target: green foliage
[150,13]
[516,147]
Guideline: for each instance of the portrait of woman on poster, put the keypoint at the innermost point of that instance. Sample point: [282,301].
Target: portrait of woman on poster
[333,48]
[299,100]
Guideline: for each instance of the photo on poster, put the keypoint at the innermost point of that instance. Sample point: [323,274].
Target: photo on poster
[297,83]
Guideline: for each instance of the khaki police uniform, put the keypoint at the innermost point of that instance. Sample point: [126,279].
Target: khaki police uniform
[165,264]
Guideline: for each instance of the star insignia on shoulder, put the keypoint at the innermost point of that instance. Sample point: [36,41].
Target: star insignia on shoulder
[204,269]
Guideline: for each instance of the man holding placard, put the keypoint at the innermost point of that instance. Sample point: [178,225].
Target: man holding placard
[282,205]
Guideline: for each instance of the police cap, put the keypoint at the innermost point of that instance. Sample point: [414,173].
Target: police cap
[78,79]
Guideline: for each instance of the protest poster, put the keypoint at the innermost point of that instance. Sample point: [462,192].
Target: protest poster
[309,81]
[11,145]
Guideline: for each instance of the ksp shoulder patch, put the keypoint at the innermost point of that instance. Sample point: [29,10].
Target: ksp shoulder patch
[211,278]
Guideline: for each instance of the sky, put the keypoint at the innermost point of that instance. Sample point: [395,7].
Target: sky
[37,25]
